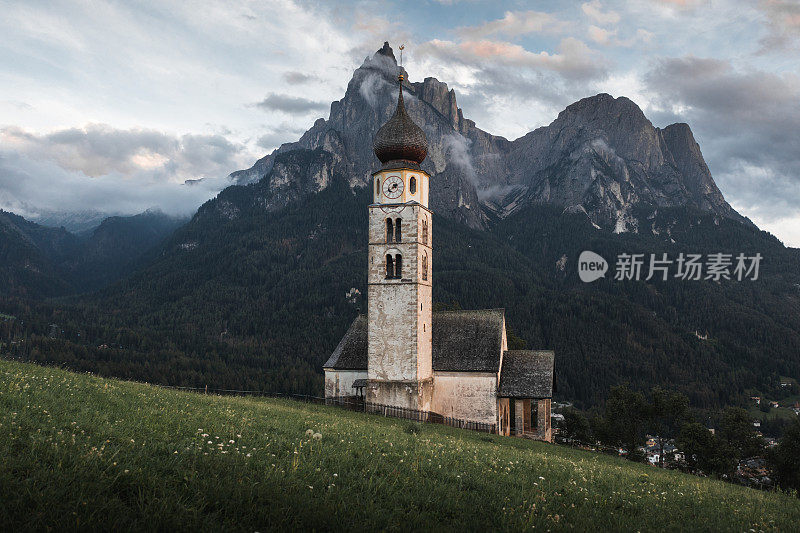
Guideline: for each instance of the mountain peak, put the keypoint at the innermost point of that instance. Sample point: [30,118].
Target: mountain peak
[603,105]
[383,62]
[387,51]
[680,128]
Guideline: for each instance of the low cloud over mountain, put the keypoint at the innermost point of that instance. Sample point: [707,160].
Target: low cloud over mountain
[118,171]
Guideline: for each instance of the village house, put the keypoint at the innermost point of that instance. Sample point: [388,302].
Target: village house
[404,354]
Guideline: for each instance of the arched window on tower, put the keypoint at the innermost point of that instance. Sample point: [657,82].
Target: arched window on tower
[398,232]
[424,231]
[398,266]
[389,266]
[412,185]
[389,230]
[424,267]
[377,188]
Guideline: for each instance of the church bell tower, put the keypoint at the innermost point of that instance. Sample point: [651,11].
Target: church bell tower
[399,314]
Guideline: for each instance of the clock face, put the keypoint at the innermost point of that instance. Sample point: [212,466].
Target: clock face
[392,187]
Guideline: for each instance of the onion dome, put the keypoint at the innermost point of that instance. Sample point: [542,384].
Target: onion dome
[400,142]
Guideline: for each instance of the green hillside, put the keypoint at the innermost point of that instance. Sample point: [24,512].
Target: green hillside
[80,452]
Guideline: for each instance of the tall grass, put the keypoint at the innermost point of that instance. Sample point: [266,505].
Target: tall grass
[79,452]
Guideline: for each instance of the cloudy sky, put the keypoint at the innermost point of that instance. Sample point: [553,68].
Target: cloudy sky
[117,107]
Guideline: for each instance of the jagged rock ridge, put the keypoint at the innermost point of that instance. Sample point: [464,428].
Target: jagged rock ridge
[601,156]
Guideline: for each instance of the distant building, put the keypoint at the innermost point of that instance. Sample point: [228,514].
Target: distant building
[403,354]
[756,399]
[774,405]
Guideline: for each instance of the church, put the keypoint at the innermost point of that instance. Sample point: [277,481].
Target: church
[403,353]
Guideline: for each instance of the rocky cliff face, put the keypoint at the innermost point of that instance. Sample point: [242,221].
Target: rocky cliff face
[601,156]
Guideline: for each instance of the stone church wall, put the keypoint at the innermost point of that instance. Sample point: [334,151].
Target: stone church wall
[339,383]
[392,355]
[466,395]
[415,395]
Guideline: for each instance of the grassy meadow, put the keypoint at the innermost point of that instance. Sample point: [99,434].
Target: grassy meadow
[79,452]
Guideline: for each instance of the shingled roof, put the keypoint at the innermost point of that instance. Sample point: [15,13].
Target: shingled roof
[467,341]
[463,341]
[527,374]
[351,353]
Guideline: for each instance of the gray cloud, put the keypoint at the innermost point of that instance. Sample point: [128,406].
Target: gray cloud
[572,60]
[99,149]
[516,23]
[283,133]
[608,37]
[34,187]
[370,87]
[20,105]
[298,78]
[782,24]
[113,170]
[524,85]
[457,153]
[594,10]
[746,122]
[271,140]
[293,105]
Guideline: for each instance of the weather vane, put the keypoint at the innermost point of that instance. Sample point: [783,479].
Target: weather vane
[402,46]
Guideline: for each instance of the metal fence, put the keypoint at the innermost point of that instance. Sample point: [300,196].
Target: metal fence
[427,416]
[356,403]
